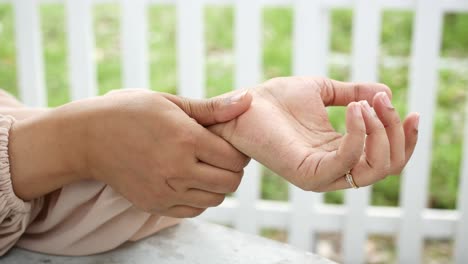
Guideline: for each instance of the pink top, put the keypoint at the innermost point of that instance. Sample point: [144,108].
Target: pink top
[83,218]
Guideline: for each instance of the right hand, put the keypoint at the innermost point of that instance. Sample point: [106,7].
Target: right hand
[157,156]
[149,149]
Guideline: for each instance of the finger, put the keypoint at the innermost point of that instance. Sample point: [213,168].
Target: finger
[183,211]
[375,164]
[336,93]
[214,110]
[394,129]
[200,199]
[217,152]
[212,179]
[339,184]
[335,164]
[410,126]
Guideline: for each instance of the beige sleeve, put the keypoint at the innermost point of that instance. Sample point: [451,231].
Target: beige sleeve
[15,215]
[82,218]
[86,218]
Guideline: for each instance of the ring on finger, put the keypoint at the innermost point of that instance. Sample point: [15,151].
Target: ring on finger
[350,180]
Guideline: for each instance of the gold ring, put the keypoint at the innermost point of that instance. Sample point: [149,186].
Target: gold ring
[350,180]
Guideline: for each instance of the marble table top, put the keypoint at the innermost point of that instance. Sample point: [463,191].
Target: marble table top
[192,241]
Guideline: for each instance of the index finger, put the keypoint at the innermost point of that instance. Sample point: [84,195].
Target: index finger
[216,151]
[336,93]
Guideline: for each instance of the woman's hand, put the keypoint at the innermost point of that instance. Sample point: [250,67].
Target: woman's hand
[140,143]
[287,129]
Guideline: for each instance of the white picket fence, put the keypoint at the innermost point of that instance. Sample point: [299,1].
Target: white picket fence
[305,214]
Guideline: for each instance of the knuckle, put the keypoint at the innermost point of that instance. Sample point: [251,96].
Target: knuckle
[382,176]
[357,89]
[186,105]
[177,181]
[395,120]
[401,163]
[215,201]
[211,106]
[386,167]
[327,89]
[240,162]
[194,212]
[234,184]
[244,162]
[383,171]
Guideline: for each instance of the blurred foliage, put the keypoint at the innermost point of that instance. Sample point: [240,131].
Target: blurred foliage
[277,44]
[219,31]
[107,36]
[276,59]
[56,64]
[7,50]
[162,50]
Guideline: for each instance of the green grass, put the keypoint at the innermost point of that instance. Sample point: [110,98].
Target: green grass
[276,58]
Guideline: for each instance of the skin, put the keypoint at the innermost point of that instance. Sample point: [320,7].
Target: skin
[197,168]
[138,142]
[301,144]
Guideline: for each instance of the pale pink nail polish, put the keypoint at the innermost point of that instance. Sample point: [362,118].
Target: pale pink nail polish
[235,98]
[356,109]
[386,101]
[366,106]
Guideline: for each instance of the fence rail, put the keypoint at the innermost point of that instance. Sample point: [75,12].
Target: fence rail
[305,214]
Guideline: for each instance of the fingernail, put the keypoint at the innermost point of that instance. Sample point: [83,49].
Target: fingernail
[356,109]
[386,101]
[366,106]
[416,124]
[235,98]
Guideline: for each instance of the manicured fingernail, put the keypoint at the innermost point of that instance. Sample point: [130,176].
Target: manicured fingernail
[235,98]
[356,109]
[385,100]
[366,106]
[416,124]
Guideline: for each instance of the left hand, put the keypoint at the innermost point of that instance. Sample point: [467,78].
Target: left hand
[287,129]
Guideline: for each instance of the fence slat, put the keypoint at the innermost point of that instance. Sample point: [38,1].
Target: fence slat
[190,49]
[30,58]
[135,44]
[461,239]
[310,51]
[247,73]
[422,98]
[311,38]
[81,49]
[366,37]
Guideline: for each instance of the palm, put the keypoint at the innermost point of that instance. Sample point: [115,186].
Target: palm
[286,124]
[287,129]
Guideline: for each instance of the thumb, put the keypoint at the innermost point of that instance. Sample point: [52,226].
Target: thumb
[214,110]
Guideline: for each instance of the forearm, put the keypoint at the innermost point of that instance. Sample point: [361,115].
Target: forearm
[20,113]
[42,153]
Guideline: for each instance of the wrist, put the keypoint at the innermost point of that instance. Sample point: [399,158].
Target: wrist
[42,155]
